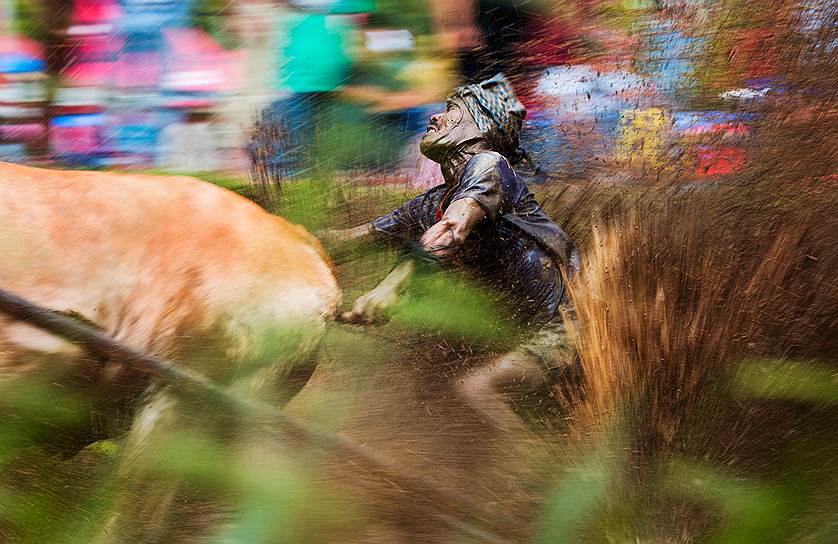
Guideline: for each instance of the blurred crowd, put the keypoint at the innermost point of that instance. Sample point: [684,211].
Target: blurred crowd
[284,87]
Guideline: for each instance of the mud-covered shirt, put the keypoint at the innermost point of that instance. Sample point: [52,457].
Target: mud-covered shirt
[517,249]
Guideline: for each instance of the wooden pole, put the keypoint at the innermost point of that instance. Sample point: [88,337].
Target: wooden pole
[440,504]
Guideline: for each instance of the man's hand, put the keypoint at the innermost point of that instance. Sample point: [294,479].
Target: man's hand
[444,238]
[375,306]
[372,308]
[439,240]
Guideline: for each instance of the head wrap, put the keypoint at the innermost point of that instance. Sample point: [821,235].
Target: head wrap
[496,110]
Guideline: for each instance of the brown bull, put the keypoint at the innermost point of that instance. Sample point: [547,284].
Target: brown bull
[172,266]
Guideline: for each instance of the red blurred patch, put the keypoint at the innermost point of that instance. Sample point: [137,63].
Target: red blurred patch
[720,161]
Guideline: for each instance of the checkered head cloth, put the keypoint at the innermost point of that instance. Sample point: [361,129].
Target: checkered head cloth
[496,110]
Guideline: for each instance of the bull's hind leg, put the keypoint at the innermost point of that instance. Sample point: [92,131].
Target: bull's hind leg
[142,496]
[286,369]
[178,476]
[170,472]
[181,468]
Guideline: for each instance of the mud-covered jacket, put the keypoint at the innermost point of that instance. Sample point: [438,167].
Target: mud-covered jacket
[517,248]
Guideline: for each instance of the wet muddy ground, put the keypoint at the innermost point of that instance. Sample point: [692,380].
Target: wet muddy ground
[410,413]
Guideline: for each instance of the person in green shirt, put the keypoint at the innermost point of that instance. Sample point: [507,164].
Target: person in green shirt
[313,65]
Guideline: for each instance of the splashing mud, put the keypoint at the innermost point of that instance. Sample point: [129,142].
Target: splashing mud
[683,287]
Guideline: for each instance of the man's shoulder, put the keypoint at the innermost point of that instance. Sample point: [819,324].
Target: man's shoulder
[489,163]
[487,160]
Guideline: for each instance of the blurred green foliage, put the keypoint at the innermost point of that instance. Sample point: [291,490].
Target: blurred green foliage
[33,19]
[788,380]
[211,16]
[795,502]
[447,304]
[409,14]
[578,497]
[751,511]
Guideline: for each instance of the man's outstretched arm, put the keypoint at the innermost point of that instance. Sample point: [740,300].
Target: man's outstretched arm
[374,307]
[446,236]
[440,241]
[339,236]
[343,242]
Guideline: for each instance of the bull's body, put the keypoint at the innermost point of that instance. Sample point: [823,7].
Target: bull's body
[156,262]
[175,267]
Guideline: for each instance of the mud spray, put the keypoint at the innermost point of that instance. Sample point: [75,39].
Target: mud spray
[676,294]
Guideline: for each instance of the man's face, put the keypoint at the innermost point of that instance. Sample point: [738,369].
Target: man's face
[444,121]
[447,129]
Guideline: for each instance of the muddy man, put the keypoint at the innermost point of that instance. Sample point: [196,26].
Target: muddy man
[485,219]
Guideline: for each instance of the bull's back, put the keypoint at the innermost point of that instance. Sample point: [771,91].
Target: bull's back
[158,262]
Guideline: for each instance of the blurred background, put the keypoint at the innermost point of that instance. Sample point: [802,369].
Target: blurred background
[180,85]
